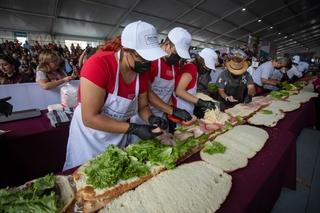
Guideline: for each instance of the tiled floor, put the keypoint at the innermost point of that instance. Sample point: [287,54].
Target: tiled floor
[306,198]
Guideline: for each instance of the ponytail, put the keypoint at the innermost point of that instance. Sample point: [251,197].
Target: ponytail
[111,45]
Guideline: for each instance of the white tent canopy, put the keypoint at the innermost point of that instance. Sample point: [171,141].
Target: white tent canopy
[290,24]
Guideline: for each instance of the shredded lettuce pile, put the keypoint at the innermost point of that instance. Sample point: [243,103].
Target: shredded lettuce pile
[287,86]
[294,86]
[154,152]
[214,147]
[112,166]
[299,84]
[279,94]
[39,197]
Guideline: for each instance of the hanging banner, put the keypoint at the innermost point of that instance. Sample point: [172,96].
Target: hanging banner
[20,34]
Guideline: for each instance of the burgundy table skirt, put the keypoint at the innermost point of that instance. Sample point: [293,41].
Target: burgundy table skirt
[31,149]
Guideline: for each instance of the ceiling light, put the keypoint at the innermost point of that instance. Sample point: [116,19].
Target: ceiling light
[279,33]
[286,37]
[259,20]
[243,9]
[271,27]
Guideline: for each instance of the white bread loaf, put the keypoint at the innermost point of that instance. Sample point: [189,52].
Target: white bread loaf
[269,120]
[308,88]
[253,136]
[284,106]
[230,142]
[193,187]
[229,161]
[302,97]
[241,142]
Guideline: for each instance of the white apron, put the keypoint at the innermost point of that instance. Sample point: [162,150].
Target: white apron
[162,88]
[85,143]
[186,105]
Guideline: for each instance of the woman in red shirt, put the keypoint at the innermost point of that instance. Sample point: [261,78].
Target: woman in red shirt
[186,82]
[113,88]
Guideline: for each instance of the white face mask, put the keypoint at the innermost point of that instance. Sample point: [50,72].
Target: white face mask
[255,64]
[283,69]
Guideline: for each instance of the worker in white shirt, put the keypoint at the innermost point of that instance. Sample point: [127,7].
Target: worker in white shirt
[301,65]
[268,75]
[256,77]
[293,73]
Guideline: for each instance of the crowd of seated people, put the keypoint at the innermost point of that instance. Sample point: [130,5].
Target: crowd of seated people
[44,64]
[51,65]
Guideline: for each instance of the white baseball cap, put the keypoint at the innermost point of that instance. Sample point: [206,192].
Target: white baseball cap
[181,39]
[296,59]
[143,38]
[210,57]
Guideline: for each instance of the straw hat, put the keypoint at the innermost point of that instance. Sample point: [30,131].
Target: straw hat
[237,65]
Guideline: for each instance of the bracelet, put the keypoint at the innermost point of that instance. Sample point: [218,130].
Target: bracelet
[226,98]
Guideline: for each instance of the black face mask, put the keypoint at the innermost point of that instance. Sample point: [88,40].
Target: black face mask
[141,67]
[173,59]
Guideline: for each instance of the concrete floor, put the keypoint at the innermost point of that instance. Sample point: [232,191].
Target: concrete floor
[306,198]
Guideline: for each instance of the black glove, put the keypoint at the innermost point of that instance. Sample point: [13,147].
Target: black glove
[142,131]
[5,107]
[159,122]
[247,99]
[204,105]
[181,114]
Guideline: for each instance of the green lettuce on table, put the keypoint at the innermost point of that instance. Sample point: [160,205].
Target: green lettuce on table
[214,147]
[154,152]
[112,166]
[213,88]
[39,196]
[292,86]
[279,94]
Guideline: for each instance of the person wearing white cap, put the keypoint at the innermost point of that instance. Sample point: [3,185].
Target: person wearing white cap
[113,88]
[293,73]
[205,71]
[186,83]
[300,65]
[163,73]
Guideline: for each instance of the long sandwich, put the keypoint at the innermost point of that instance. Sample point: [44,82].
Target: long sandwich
[49,194]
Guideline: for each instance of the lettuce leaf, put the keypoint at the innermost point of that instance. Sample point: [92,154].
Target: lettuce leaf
[185,146]
[212,87]
[154,152]
[214,147]
[299,84]
[37,197]
[279,94]
[112,166]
